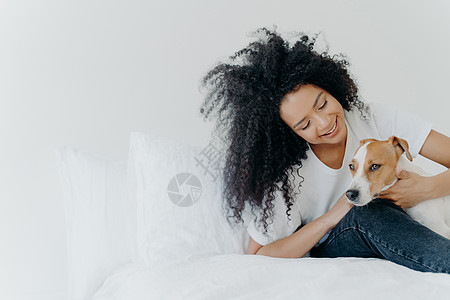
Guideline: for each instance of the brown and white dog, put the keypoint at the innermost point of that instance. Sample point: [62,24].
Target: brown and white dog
[373,170]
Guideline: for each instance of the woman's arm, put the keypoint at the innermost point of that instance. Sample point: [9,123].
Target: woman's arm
[299,243]
[437,148]
[412,188]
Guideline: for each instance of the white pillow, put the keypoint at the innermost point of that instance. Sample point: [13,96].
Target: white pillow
[179,201]
[100,233]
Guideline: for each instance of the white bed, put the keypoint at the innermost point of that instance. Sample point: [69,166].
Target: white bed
[237,276]
[133,235]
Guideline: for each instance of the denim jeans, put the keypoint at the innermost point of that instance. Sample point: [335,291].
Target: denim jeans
[381,229]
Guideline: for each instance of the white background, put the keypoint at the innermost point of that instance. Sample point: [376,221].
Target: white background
[87,73]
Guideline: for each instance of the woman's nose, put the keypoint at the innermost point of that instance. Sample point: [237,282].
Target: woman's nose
[322,123]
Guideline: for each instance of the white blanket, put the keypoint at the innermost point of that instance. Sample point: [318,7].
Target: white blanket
[237,276]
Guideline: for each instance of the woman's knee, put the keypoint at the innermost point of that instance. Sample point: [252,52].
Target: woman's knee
[376,212]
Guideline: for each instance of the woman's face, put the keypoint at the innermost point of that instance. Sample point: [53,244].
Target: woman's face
[314,115]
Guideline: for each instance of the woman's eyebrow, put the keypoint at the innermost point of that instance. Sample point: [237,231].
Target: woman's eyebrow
[314,106]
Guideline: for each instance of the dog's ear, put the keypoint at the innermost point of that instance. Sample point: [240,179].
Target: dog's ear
[362,142]
[400,146]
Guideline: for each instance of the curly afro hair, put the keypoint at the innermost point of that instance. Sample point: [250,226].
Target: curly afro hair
[244,97]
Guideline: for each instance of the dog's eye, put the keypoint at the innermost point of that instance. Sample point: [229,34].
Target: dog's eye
[374,167]
[352,167]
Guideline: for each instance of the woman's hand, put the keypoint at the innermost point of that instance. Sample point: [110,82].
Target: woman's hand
[409,190]
[339,210]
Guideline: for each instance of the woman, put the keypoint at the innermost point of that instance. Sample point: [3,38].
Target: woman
[292,120]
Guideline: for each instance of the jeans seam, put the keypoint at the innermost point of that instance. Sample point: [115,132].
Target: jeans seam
[380,243]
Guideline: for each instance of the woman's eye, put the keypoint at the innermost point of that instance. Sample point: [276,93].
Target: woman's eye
[374,167]
[323,105]
[352,167]
[306,126]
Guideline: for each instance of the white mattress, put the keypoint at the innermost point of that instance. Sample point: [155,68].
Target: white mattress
[237,276]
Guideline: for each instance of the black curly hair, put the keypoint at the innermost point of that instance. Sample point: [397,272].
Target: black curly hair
[244,96]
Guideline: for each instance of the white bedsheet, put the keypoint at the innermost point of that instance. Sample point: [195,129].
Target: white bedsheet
[237,276]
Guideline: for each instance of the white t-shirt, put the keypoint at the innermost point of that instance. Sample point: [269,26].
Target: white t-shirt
[322,185]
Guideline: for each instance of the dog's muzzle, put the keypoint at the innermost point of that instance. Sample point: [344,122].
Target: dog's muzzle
[352,195]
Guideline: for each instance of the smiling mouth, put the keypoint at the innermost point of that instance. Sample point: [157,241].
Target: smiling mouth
[332,129]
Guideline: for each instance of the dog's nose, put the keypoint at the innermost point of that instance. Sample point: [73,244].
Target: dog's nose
[352,195]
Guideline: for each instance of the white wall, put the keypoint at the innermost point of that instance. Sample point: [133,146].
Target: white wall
[87,73]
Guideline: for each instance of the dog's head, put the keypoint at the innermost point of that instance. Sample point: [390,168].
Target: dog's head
[373,168]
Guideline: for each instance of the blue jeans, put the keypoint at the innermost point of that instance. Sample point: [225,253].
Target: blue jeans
[381,229]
